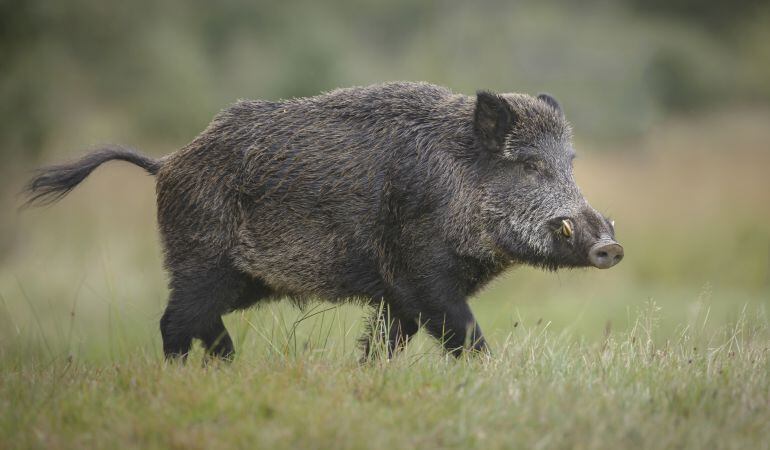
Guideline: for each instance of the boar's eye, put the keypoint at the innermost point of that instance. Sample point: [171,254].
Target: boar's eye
[530,166]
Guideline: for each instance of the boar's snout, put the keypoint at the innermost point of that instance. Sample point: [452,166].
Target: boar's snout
[605,254]
[592,238]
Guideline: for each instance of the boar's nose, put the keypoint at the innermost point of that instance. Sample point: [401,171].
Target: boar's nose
[605,254]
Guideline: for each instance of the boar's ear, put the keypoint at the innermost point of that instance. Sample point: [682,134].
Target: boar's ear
[492,120]
[550,101]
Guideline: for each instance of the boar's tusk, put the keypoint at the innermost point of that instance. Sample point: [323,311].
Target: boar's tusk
[566,228]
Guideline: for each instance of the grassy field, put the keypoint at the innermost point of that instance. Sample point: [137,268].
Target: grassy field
[667,350]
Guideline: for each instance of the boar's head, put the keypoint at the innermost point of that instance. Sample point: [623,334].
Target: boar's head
[531,207]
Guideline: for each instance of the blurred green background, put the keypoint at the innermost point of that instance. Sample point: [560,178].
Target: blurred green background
[670,101]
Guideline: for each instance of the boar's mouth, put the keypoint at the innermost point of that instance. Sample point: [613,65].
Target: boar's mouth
[574,246]
[562,242]
[518,251]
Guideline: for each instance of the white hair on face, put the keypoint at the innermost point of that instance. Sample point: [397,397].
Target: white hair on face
[528,231]
[541,136]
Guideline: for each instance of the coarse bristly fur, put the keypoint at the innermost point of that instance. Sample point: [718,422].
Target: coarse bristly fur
[404,194]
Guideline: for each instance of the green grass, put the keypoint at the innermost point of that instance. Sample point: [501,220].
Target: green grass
[303,388]
[670,349]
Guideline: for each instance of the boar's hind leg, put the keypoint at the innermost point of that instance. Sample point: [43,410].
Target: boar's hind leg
[215,338]
[198,299]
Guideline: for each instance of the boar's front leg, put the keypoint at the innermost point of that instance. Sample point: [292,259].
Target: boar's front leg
[442,310]
[453,324]
[391,327]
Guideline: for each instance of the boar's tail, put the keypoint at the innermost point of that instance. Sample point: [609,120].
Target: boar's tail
[54,182]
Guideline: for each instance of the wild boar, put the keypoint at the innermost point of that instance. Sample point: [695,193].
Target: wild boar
[402,194]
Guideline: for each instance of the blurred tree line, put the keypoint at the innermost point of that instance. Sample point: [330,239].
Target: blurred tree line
[82,72]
